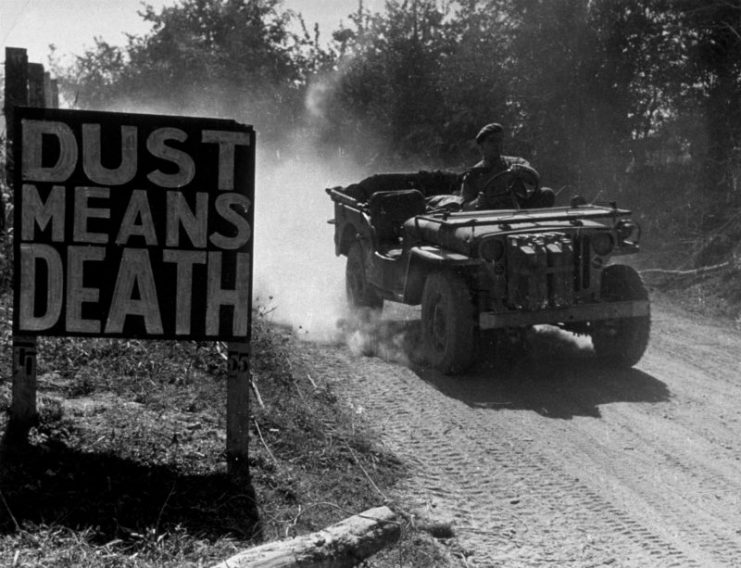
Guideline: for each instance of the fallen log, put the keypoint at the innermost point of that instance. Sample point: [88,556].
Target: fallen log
[341,545]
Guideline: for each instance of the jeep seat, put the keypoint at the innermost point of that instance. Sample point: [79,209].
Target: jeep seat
[389,209]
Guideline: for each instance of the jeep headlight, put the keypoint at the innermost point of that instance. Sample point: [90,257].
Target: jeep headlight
[628,231]
[603,243]
[492,250]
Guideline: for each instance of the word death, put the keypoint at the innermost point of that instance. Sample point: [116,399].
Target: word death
[133,225]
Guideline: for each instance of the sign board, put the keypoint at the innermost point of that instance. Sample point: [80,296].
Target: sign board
[132,225]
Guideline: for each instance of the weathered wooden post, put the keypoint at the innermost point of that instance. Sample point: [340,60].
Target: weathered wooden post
[36,92]
[16,94]
[238,411]
[24,84]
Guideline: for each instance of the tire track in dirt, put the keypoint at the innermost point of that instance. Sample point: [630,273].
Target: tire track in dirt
[556,462]
[508,505]
[636,451]
[532,479]
[661,445]
[681,513]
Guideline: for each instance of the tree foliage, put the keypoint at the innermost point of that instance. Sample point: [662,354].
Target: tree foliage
[594,91]
[388,84]
[223,57]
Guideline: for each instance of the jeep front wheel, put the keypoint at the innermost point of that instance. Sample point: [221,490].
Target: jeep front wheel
[448,330]
[622,341]
[360,294]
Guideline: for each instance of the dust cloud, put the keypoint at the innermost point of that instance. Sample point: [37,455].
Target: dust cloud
[298,280]
[549,342]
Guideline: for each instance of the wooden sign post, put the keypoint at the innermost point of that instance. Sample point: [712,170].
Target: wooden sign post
[134,226]
[21,89]
[238,410]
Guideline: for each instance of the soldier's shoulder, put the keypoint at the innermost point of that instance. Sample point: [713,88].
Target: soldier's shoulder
[475,170]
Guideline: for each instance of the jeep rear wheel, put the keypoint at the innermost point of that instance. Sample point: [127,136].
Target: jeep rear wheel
[621,342]
[360,294]
[448,330]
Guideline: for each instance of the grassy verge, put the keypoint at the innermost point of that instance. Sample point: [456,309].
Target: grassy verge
[126,466]
[715,294]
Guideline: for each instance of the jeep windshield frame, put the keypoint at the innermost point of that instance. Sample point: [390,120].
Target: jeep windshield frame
[514,216]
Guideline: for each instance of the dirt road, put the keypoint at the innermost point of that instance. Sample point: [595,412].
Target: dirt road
[554,461]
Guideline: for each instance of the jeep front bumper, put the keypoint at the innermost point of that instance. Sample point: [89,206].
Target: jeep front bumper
[574,313]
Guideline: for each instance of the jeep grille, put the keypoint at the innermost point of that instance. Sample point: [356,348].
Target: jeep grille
[542,270]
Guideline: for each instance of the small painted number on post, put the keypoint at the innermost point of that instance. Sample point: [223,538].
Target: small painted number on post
[238,363]
[25,357]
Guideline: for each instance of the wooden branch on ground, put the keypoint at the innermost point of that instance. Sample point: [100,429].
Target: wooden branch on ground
[341,545]
[693,272]
[658,275]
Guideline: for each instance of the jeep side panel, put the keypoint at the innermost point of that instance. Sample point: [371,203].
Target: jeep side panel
[351,222]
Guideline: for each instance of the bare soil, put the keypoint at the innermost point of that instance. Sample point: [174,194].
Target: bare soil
[551,460]
[539,459]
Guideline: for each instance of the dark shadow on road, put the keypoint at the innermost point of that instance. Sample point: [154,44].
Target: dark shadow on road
[558,376]
[118,498]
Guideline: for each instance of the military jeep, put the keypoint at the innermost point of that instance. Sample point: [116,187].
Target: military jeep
[407,239]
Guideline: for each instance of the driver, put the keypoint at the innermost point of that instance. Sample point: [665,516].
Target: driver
[487,173]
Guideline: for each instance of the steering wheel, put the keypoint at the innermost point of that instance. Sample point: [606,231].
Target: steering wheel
[520,182]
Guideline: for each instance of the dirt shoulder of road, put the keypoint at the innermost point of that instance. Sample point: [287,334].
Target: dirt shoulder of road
[126,466]
[551,459]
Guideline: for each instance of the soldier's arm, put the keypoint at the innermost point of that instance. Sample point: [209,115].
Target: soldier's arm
[468,189]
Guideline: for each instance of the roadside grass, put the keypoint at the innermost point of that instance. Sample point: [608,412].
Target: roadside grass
[126,466]
[716,296]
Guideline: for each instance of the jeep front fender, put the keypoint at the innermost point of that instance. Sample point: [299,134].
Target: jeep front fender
[425,259]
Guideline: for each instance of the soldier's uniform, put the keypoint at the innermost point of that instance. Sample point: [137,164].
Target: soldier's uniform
[479,176]
[486,185]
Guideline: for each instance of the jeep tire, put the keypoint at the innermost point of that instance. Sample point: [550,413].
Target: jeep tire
[621,342]
[448,325]
[360,294]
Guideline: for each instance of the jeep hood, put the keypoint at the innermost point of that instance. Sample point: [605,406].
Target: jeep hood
[461,232]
